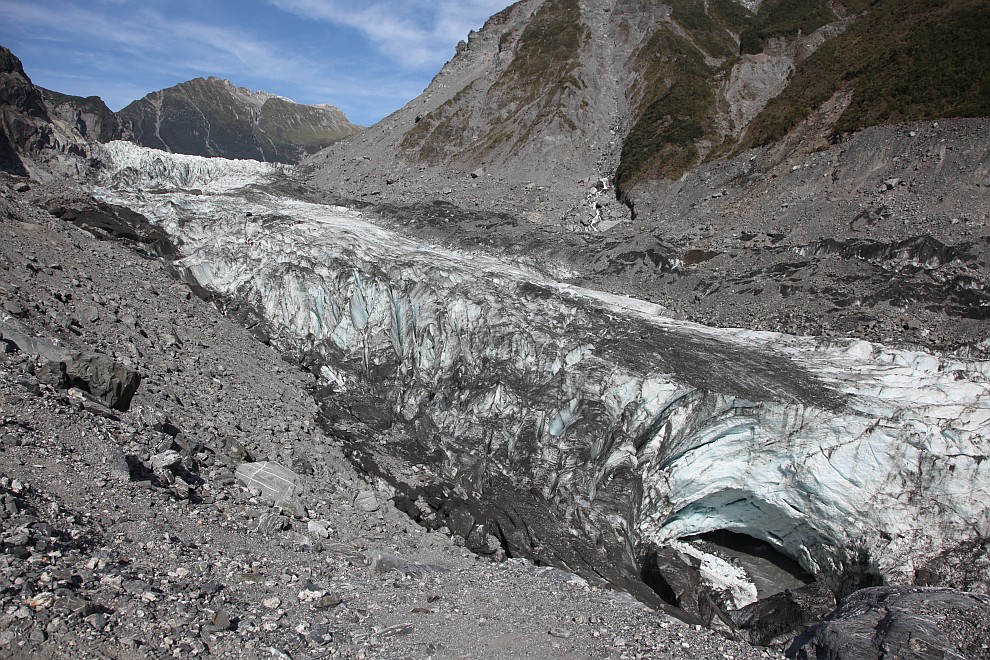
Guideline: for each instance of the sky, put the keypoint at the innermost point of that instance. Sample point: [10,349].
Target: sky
[367,57]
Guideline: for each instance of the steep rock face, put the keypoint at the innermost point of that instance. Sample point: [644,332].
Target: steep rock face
[23,117]
[90,115]
[31,136]
[522,110]
[576,426]
[537,97]
[213,117]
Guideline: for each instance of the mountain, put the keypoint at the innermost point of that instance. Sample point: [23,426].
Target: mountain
[632,91]
[214,117]
[34,140]
[208,117]
[89,115]
[788,165]
[23,118]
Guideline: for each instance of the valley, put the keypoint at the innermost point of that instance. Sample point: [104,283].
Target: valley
[646,330]
[628,427]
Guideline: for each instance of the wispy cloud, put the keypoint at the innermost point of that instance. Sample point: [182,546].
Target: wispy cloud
[152,40]
[124,49]
[412,33]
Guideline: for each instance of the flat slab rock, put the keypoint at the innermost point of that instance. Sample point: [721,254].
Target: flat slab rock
[900,622]
[275,481]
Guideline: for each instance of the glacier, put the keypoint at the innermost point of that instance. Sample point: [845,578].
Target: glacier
[579,427]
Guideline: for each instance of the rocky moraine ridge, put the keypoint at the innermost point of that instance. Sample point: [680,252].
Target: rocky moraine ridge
[304,412]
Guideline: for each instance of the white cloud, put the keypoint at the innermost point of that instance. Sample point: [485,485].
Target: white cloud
[122,49]
[412,33]
[150,39]
[145,43]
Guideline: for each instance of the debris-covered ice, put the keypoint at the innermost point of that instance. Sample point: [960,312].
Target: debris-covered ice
[633,426]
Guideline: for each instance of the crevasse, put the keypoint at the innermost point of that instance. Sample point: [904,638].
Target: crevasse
[633,427]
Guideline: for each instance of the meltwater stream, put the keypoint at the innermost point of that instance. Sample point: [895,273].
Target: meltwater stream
[580,428]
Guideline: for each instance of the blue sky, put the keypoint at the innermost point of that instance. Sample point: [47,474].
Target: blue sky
[367,57]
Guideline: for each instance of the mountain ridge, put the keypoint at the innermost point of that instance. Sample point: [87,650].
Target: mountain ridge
[215,117]
[631,92]
[205,117]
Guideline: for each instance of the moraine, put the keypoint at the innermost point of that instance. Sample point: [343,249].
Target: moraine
[576,427]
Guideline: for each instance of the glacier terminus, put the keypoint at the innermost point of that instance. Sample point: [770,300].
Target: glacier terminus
[576,427]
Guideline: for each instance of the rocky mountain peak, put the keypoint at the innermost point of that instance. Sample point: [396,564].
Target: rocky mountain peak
[9,63]
[214,117]
[25,127]
[256,98]
[16,89]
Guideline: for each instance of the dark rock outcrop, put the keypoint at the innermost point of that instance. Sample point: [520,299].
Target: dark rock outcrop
[24,121]
[111,382]
[109,221]
[674,576]
[774,620]
[900,622]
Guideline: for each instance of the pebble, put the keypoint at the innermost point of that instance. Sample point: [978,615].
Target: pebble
[97,620]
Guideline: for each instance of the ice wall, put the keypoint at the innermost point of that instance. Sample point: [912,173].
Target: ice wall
[624,426]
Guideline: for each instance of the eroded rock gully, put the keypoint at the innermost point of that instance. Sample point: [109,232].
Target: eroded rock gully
[580,428]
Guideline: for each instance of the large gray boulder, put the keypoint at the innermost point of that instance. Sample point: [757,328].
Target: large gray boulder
[275,481]
[112,383]
[900,622]
[774,620]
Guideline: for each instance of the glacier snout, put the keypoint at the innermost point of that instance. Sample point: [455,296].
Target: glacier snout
[578,427]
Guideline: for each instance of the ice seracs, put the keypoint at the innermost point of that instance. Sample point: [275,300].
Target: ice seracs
[632,427]
[140,168]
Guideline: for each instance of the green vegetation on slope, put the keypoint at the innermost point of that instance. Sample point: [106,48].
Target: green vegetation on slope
[712,28]
[442,128]
[906,60]
[310,128]
[547,51]
[674,112]
[785,18]
[677,92]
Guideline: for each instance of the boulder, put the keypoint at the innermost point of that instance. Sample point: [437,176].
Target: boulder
[367,501]
[674,576]
[776,619]
[271,523]
[274,481]
[900,622]
[109,381]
